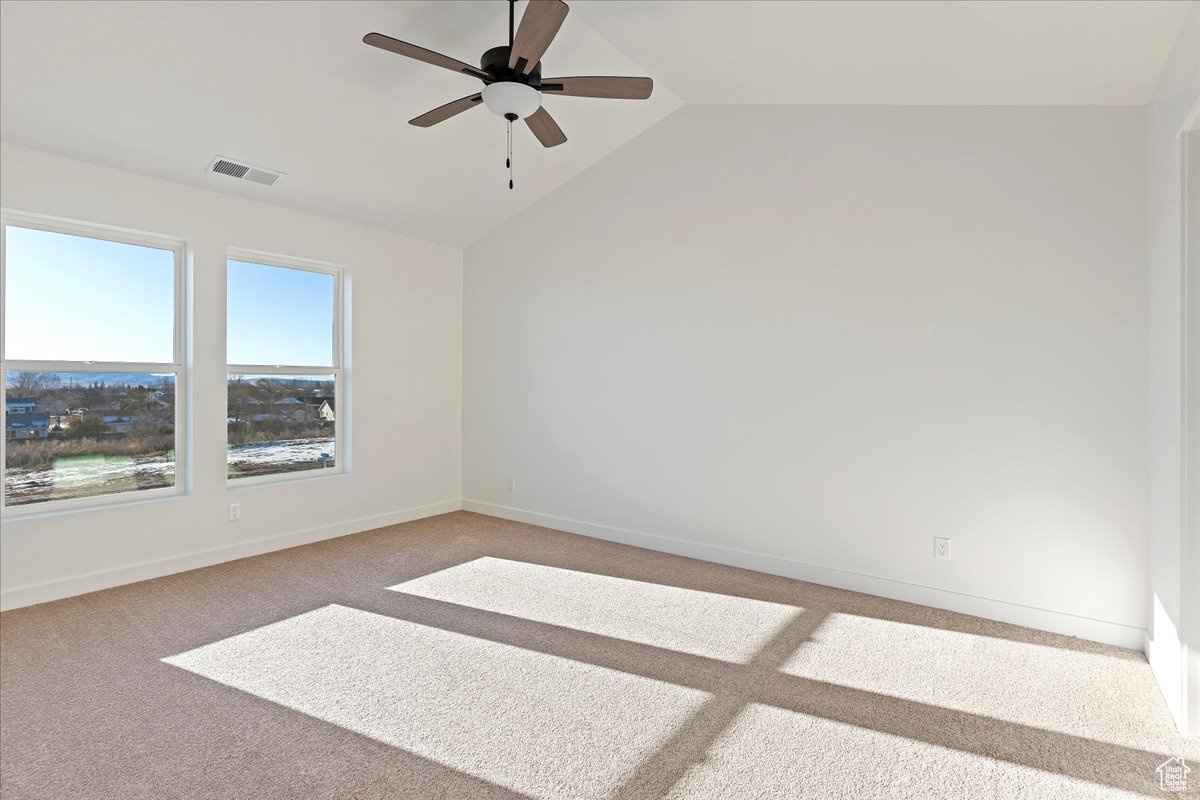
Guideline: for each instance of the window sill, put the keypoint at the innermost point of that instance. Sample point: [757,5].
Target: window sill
[262,481]
[56,508]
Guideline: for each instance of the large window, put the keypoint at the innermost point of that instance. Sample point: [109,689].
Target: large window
[285,379]
[91,356]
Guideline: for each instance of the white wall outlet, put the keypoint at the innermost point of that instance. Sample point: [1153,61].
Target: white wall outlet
[235,512]
[941,548]
[510,483]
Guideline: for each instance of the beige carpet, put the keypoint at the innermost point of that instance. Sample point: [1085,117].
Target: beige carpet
[468,657]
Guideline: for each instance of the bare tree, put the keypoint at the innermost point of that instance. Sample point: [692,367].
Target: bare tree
[32,384]
[238,394]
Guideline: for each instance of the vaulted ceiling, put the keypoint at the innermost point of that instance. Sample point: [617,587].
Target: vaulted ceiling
[161,87]
[906,52]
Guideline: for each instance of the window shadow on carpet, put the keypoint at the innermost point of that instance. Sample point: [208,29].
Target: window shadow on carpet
[553,682]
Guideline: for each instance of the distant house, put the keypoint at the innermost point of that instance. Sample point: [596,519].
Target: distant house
[283,411]
[118,423]
[286,409]
[22,426]
[322,405]
[20,405]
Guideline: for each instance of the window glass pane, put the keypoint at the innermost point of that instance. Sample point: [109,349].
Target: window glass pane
[85,434]
[71,298]
[279,316]
[281,423]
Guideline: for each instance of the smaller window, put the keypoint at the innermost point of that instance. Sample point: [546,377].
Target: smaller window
[285,378]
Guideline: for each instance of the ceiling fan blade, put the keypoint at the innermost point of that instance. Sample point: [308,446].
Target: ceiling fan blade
[421,54]
[539,24]
[443,113]
[545,128]
[600,86]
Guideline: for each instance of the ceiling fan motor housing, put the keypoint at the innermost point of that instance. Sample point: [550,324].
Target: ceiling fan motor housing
[495,62]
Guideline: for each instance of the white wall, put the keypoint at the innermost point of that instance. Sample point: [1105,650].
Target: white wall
[1177,93]
[404,376]
[809,340]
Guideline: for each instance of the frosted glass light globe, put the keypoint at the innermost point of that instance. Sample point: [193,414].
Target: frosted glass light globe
[510,97]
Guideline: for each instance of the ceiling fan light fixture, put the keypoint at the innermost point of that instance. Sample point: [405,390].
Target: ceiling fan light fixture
[510,97]
[512,75]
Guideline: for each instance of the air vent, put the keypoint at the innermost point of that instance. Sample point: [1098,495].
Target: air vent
[234,169]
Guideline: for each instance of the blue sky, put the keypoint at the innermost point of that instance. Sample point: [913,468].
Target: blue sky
[70,298]
[279,316]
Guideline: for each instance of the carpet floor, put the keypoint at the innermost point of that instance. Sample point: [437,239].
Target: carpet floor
[469,657]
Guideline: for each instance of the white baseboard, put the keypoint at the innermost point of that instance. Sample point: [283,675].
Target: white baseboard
[1045,619]
[990,608]
[106,579]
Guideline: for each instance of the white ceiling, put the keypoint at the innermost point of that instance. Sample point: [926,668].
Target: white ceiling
[884,52]
[161,87]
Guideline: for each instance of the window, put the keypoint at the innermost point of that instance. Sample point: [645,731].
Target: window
[285,377]
[92,364]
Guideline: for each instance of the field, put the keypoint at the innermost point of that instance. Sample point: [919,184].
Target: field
[94,474]
[267,458]
[94,434]
[88,476]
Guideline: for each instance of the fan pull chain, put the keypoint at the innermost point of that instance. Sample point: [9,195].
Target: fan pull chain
[508,161]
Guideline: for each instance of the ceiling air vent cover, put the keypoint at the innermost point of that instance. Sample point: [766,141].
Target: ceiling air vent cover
[235,169]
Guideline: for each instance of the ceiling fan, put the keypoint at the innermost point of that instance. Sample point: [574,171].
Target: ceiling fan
[512,75]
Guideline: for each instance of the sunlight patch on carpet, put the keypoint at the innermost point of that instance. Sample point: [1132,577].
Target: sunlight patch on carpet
[534,723]
[819,759]
[689,621]
[977,674]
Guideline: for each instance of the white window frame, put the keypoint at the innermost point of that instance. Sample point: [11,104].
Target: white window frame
[335,369]
[178,247]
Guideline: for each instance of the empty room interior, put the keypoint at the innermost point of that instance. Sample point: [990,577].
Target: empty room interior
[600,400]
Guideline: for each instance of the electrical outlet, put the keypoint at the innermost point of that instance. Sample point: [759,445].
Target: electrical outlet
[941,548]
[235,512]
[511,484]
